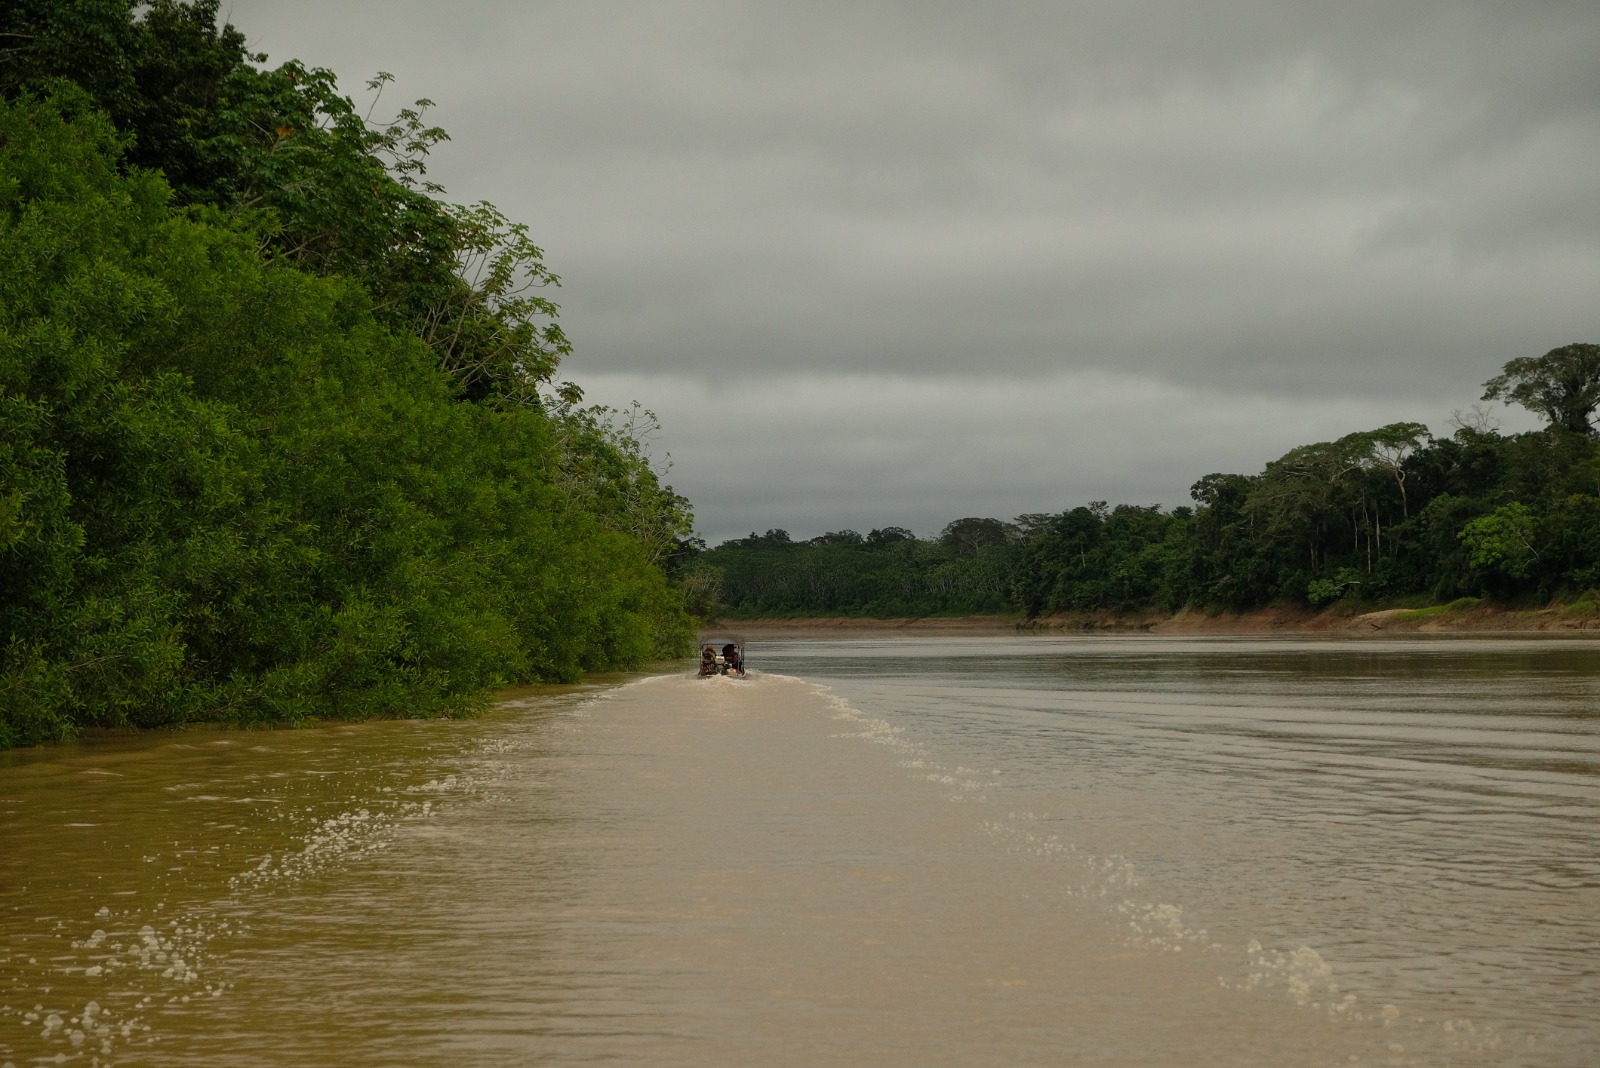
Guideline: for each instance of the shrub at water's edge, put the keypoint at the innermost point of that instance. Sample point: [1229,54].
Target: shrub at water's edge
[230,490]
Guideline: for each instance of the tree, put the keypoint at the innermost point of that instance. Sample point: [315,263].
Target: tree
[1389,447]
[325,185]
[228,490]
[881,537]
[1502,541]
[491,326]
[1298,494]
[159,68]
[1563,385]
[965,537]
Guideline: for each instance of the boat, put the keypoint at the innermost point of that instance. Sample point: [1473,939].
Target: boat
[721,653]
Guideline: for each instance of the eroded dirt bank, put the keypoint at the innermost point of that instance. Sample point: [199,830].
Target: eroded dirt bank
[1581,619]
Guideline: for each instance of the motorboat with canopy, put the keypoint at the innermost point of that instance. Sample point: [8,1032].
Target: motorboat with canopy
[722,653]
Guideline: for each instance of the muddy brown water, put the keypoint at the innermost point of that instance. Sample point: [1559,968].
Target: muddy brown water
[919,851]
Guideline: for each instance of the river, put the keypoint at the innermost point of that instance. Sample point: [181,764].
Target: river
[955,851]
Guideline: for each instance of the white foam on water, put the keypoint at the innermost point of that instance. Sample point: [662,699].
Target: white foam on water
[1301,975]
[1109,879]
[65,1031]
[133,963]
[334,841]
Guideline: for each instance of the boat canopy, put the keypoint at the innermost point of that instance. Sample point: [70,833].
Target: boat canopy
[718,638]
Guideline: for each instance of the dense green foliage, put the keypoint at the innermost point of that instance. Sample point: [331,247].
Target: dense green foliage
[887,573]
[277,431]
[1389,515]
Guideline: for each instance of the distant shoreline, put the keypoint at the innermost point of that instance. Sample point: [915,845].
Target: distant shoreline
[1581,620]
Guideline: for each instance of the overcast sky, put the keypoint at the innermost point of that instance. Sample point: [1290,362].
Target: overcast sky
[897,263]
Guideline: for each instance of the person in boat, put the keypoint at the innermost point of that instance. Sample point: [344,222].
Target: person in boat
[708,661]
[730,657]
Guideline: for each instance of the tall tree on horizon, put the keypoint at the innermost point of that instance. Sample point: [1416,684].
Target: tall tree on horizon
[1563,385]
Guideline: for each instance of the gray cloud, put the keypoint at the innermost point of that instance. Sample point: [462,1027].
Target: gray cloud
[811,453]
[1327,209]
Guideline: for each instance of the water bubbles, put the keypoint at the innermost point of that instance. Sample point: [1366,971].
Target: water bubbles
[1160,926]
[348,836]
[1303,973]
[1343,1007]
[1464,1035]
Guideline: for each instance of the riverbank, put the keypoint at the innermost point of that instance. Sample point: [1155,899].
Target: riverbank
[1466,616]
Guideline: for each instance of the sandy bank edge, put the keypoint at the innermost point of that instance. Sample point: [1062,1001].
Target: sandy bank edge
[1475,619]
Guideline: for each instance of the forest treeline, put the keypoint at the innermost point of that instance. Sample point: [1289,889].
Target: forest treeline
[280,435]
[1387,516]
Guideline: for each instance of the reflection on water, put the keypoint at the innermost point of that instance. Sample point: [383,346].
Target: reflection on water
[951,851]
